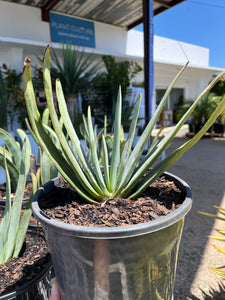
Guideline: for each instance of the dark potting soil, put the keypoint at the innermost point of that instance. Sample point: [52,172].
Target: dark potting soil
[27,192]
[33,220]
[161,198]
[18,271]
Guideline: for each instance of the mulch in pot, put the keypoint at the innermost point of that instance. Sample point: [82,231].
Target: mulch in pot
[33,220]
[34,258]
[27,192]
[161,198]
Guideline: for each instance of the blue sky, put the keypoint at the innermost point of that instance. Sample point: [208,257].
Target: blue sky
[199,22]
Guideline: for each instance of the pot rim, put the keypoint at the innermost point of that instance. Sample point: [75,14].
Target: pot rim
[112,232]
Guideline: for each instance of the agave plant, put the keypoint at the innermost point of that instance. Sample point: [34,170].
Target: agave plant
[124,174]
[220,215]
[13,228]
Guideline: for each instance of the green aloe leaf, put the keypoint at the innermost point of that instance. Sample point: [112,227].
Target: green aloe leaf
[17,202]
[106,163]
[22,230]
[220,209]
[12,145]
[45,168]
[116,144]
[212,216]
[176,154]
[58,130]
[217,238]
[75,141]
[13,170]
[138,150]
[5,223]
[218,271]
[24,223]
[221,232]
[31,131]
[94,155]
[46,143]
[45,117]
[128,145]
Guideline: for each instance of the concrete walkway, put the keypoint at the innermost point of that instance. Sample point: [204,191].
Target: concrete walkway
[203,168]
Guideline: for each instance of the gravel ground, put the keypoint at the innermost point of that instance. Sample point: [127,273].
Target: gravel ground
[203,168]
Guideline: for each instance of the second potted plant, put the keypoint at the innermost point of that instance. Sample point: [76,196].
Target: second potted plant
[118,255]
[25,265]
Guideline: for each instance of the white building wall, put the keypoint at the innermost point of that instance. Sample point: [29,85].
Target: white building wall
[176,52]
[168,50]
[23,33]
[20,23]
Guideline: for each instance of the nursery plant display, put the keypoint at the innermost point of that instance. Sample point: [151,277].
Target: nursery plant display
[25,267]
[132,261]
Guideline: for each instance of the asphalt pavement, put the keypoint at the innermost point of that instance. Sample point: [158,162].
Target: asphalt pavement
[203,168]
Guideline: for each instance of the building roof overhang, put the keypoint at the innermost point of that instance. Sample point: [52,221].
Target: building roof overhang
[125,13]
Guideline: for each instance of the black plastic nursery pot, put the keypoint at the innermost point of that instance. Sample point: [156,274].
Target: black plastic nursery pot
[38,288]
[128,262]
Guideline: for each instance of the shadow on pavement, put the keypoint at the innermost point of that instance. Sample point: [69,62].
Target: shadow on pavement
[213,294]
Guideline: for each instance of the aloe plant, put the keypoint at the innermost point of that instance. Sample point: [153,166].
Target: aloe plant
[13,228]
[220,215]
[122,175]
[13,156]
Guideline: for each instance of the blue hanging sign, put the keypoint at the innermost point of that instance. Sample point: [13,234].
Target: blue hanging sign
[68,29]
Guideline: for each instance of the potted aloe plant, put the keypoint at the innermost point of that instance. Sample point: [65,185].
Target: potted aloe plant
[117,256]
[25,266]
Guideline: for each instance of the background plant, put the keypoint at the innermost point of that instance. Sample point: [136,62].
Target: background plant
[203,110]
[76,70]
[15,98]
[13,228]
[219,87]
[3,102]
[124,175]
[102,92]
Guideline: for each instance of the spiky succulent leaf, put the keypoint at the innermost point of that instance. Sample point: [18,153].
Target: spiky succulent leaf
[13,147]
[17,202]
[66,169]
[219,272]
[116,144]
[5,223]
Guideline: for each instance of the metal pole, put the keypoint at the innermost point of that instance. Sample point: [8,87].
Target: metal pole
[148,14]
